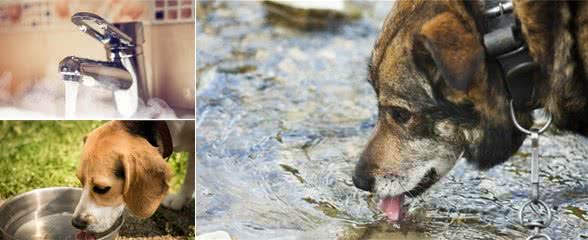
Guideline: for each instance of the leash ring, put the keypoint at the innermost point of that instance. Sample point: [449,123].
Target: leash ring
[527,131]
[539,203]
[539,236]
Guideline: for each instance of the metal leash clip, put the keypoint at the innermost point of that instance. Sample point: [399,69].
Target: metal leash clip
[537,207]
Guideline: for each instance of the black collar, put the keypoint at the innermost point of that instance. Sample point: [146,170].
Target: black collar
[507,55]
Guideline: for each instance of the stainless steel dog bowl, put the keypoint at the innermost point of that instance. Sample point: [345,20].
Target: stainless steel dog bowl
[44,214]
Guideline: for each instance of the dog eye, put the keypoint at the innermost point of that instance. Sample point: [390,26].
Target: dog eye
[400,115]
[100,190]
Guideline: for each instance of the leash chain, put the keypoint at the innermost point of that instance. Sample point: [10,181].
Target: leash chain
[541,213]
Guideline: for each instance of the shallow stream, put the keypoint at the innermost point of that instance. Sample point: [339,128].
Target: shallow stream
[282,116]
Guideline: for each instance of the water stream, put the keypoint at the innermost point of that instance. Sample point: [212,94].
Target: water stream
[282,116]
[71,95]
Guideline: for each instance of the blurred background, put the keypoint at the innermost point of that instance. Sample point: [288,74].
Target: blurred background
[35,35]
[39,154]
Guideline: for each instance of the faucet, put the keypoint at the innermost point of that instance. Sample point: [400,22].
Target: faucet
[123,72]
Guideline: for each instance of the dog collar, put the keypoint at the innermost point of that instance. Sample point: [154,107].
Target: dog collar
[507,54]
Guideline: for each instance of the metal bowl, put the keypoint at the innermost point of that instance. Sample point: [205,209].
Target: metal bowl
[45,214]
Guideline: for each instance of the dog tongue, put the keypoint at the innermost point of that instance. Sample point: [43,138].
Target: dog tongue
[83,235]
[392,207]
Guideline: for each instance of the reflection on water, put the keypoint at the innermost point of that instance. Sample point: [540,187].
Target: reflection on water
[56,226]
[282,118]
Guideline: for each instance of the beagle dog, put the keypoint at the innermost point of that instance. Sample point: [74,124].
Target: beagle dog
[123,166]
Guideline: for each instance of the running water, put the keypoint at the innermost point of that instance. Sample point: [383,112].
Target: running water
[71,95]
[283,116]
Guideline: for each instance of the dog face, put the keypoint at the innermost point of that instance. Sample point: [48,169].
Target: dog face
[122,166]
[435,102]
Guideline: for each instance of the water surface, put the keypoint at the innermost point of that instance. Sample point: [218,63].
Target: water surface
[282,117]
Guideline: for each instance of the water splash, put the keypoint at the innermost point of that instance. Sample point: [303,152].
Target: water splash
[46,99]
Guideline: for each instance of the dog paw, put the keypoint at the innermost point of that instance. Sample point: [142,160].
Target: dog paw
[175,201]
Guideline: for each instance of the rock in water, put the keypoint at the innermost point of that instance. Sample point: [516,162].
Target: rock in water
[218,235]
[310,15]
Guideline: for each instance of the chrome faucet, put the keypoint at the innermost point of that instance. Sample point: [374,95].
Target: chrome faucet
[123,73]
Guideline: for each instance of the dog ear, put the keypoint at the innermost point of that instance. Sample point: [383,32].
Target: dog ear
[454,48]
[146,177]
[156,132]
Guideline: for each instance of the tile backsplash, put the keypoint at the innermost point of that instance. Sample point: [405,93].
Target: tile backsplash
[49,14]
[36,34]
[173,11]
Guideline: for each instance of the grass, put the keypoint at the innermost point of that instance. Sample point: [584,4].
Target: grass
[38,154]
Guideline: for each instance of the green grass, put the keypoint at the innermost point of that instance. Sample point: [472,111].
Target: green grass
[37,154]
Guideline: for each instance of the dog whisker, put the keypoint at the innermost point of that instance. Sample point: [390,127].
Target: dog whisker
[421,200]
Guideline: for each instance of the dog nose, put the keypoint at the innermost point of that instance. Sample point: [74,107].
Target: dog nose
[364,182]
[79,223]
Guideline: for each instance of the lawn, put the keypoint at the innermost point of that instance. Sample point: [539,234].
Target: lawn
[38,154]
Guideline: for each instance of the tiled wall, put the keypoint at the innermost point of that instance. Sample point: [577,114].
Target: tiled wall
[173,10]
[36,34]
[48,14]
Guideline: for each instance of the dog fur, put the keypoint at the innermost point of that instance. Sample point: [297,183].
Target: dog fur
[123,166]
[437,103]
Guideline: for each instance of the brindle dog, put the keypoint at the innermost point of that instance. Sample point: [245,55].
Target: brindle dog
[437,103]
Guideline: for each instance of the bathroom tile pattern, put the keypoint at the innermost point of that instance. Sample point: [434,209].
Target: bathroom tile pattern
[43,14]
[173,11]
[35,14]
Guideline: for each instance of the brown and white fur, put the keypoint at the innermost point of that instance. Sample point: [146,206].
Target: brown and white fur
[437,103]
[123,166]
